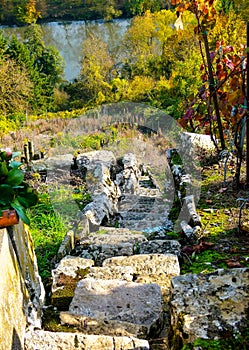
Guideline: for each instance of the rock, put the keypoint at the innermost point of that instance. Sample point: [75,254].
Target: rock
[65,278]
[124,273]
[116,307]
[159,246]
[67,245]
[34,290]
[58,162]
[128,179]
[39,339]
[104,191]
[199,140]
[150,268]
[105,194]
[102,246]
[195,219]
[88,159]
[189,232]
[211,306]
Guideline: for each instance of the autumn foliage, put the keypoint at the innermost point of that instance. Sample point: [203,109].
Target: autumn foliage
[220,102]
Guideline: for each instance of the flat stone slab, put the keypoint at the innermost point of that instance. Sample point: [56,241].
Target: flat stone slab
[150,268]
[148,263]
[40,339]
[121,301]
[124,273]
[65,278]
[210,306]
[109,237]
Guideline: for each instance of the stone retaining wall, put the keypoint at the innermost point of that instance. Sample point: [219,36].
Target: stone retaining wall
[21,290]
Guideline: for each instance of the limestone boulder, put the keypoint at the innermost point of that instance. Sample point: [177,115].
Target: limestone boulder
[209,306]
[116,307]
[89,159]
[128,179]
[39,339]
[65,278]
[198,140]
[105,195]
[150,268]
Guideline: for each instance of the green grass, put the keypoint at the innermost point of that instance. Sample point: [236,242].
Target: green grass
[233,342]
[204,262]
[48,230]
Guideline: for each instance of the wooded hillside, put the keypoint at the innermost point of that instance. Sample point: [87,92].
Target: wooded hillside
[15,11]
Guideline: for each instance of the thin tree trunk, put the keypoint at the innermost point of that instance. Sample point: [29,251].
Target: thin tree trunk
[213,91]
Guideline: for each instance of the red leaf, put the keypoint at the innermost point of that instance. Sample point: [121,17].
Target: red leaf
[233,263]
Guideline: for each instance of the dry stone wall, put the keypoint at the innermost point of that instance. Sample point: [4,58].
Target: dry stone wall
[21,291]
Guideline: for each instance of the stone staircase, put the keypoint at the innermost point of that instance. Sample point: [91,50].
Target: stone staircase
[114,291]
[119,288]
[145,210]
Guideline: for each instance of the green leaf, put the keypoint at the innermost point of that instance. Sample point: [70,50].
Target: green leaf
[28,200]
[6,194]
[3,169]
[14,177]
[20,211]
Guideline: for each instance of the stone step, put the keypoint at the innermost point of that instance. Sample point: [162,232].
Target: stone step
[146,182]
[44,340]
[117,308]
[150,268]
[72,269]
[141,225]
[121,241]
[133,199]
[150,192]
[144,206]
[151,214]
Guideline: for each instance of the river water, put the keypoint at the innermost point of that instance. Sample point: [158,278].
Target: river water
[68,38]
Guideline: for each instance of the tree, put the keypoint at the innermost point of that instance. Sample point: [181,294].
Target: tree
[139,7]
[46,71]
[27,12]
[221,98]
[96,69]
[15,87]
[42,64]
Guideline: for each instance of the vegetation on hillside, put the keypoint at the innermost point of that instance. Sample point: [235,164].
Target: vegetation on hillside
[28,11]
[155,63]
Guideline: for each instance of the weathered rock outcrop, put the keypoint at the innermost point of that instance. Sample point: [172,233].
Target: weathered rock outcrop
[211,306]
[105,194]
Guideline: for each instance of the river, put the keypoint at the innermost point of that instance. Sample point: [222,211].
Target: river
[68,38]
